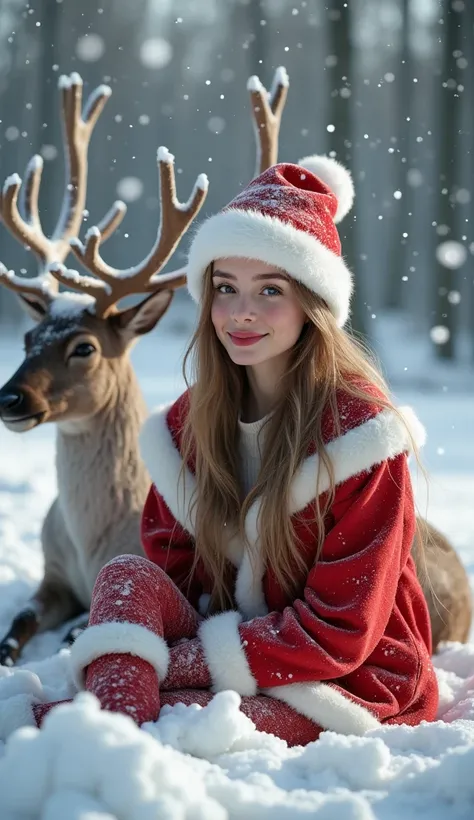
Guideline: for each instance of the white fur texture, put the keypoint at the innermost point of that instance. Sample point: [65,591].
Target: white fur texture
[336,177]
[225,654]
[121,637]
[252,235]
[163,462]
[327,706]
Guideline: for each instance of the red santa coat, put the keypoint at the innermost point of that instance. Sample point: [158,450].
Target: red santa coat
[352,647]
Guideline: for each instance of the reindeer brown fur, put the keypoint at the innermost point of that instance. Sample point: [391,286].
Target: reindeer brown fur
[445,585]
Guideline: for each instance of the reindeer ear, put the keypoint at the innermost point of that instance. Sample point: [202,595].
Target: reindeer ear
[34,306]
[140,319]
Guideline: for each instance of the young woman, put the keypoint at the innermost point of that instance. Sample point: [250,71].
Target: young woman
[279,527]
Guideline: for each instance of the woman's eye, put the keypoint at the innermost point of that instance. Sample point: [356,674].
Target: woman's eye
[224,288]
[274,291]
[83,349]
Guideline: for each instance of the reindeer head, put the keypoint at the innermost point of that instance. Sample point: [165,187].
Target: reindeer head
[76,353]
[74,360]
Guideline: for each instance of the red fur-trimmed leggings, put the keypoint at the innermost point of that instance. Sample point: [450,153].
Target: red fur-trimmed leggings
[131,590]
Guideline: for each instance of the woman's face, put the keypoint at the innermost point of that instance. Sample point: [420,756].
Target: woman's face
[255,312]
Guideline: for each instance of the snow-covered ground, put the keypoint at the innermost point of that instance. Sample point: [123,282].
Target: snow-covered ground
[208,764]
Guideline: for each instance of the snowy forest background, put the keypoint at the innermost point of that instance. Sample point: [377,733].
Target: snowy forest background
[387,85]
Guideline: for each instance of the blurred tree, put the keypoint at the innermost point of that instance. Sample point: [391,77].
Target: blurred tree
[448,164]
[16,52]
[48,138]
[258,62]
[341,84]
[468,32]
[258,40]
[397,260]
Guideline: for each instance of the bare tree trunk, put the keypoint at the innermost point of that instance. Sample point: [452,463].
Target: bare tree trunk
[468,32]
[403,90]
[48,114]
[258,52]
[341,77]
[258,48]
[15,86]
[445,311]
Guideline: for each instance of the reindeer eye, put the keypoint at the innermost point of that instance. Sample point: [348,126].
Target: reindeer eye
[83,349]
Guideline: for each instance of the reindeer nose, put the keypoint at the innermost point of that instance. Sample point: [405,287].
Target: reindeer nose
[10,400]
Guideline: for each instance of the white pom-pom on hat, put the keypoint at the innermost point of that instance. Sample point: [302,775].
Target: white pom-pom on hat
[336,177]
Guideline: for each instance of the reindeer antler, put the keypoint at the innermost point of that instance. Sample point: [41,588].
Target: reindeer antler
[39,286]
[24,221]
[267,108]
[111,284]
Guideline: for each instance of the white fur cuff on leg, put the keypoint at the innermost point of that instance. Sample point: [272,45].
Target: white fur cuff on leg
[118,637]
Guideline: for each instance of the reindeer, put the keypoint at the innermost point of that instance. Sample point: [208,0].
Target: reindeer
[77,371]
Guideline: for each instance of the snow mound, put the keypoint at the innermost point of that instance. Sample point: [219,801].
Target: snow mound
[86,760]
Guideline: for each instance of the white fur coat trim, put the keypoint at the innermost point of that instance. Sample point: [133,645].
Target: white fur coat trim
[327,706]
[360,449]
[225,655]
[121,637]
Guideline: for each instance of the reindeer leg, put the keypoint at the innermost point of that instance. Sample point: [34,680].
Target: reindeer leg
[23,627]
[52,604]
[76,630]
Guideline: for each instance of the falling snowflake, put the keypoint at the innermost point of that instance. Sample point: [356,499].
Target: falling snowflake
[49,152]
[227,75]
[439,334]
[414,177]
[156,52]
[90,48]
[12,133]
[451,254]
[454,297]
[463,196]
[130,188]
[216,125]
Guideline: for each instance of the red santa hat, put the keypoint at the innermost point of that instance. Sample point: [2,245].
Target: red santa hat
[285,217]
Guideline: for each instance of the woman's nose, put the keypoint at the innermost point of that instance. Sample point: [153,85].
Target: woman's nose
[243,310]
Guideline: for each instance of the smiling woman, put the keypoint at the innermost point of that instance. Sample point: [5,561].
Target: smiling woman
[280,522]
[258,318]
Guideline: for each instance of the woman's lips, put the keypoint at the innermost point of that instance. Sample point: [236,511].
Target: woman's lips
[245,339]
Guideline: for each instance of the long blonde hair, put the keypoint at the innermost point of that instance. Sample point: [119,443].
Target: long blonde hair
[324,360]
